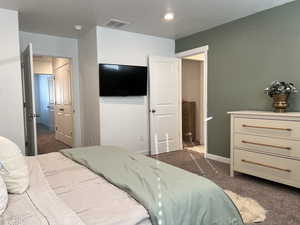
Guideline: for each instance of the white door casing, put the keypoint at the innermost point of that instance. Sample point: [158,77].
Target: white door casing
[205,118]
[63,102]
[165,111]
[29,102]
[51,105]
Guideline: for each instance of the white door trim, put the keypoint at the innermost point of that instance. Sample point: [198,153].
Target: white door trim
[194,51]
[72,83]
[218,158]
[180,104]
[77,131]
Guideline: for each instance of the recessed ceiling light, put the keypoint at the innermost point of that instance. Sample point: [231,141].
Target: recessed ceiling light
[169,16]
[78,27]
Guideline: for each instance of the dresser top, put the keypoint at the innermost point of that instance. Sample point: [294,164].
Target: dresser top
[265,113]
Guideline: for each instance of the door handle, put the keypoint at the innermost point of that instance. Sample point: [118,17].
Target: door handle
[153,111]
[34,115]
[208,118]
[61,110]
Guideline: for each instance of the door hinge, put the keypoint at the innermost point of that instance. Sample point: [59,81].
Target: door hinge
[56,128]
[24,104]
[26,143]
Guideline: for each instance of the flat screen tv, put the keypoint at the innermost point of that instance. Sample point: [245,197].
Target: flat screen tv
[122,80]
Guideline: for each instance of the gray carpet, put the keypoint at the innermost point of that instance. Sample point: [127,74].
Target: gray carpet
[46,141]
[282,202]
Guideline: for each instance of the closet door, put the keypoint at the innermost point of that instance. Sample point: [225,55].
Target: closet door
[63,104]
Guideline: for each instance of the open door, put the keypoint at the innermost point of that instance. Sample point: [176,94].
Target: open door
[63,101]
[165,132]
[29,102]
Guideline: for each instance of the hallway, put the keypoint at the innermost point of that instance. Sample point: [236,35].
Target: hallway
[47,142]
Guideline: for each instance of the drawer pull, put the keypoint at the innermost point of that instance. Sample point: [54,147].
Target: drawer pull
[266,145]
[271,128]
[268,166]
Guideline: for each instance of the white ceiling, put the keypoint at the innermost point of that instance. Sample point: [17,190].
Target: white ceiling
[57,17]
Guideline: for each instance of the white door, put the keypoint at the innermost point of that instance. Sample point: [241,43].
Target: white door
[164,76]
[63,102]
[29,101]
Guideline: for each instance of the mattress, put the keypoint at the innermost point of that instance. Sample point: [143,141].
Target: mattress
[63,192]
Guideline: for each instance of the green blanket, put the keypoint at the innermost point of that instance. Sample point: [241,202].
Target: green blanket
[172,196]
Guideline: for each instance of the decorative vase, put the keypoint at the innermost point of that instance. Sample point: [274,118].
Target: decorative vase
[280,102]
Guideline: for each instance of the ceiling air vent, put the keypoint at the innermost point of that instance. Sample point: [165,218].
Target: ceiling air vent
[115,23]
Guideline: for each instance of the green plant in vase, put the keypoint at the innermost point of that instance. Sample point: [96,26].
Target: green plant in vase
[280,92]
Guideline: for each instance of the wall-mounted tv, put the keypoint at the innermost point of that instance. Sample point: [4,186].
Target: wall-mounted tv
[122,80]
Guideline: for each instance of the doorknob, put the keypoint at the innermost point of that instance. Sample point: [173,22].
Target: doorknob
[208,118]
[34,115]
[153,111]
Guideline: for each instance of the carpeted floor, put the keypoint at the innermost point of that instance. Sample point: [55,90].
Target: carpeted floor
[47,142]
[282,202]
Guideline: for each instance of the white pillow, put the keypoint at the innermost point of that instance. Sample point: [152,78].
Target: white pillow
[15,170]
[3,196]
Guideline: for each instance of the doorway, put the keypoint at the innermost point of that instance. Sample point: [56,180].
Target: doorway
[53,103]
[51,99]
[192,104]
[194,99]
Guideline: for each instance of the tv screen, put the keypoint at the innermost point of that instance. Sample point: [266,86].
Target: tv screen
[122,80]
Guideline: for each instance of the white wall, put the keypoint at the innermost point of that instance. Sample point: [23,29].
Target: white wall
[89,88]
[124,120]
[46,45]
[11,113]
[43,101]
[192,78]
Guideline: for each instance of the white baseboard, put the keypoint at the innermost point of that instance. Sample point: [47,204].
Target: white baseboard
[144,152]
[217,158]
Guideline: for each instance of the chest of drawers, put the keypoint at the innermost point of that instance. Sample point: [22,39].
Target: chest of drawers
[266,145]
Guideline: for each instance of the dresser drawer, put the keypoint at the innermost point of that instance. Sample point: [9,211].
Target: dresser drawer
[281,147]
[270,128]
[269,167]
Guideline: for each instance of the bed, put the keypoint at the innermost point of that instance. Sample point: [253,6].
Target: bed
[75,187]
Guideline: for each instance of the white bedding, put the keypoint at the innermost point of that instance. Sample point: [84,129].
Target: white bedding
[39,205]
[63,192]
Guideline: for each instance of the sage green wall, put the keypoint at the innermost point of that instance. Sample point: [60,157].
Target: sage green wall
[244,57]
